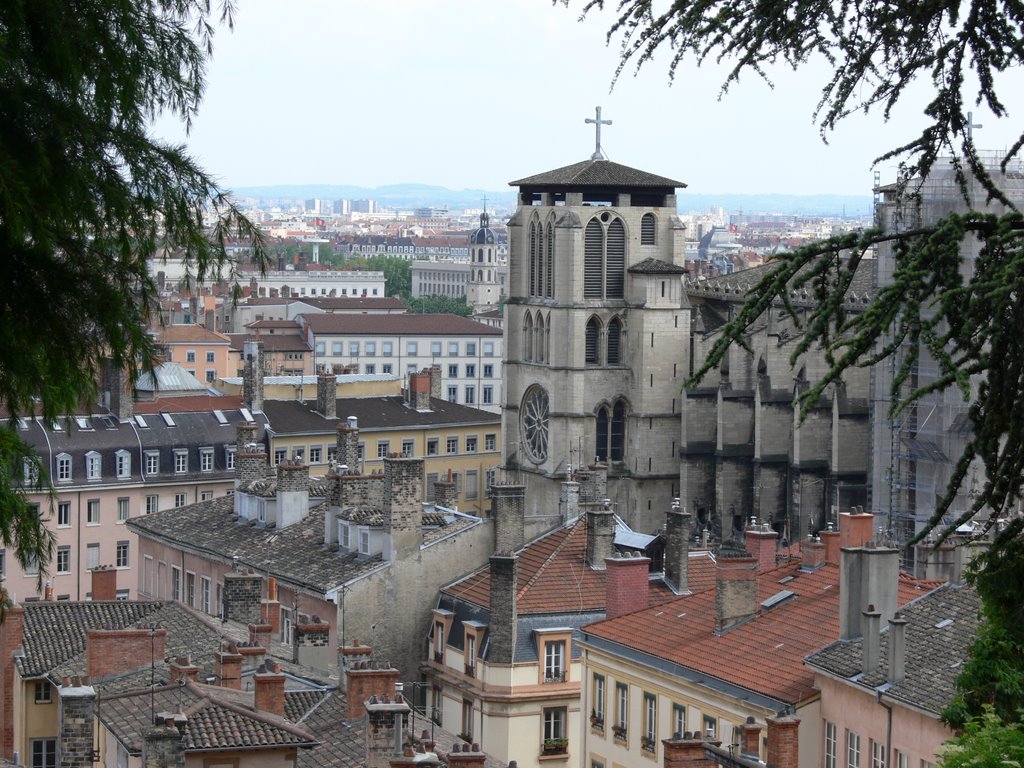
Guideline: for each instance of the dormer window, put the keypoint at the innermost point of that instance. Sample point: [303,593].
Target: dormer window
[93,465]
[364,541]
[554,661]
[63,468]
[344,535]
[123,462]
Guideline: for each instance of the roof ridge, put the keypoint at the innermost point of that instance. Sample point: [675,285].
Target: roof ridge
[264,717]
[521,592]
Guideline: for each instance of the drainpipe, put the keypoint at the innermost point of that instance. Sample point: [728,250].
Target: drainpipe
[888,725]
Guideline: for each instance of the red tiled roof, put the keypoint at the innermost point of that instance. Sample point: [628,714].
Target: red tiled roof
[192,404]
[190,334]
[765,654]
[410,325]
[553,576]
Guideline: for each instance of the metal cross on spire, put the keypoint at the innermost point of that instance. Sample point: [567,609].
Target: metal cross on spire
[597,123]
[971,125]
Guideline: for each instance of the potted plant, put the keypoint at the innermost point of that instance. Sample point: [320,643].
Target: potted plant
[555,746]
[596,720]
[619,731]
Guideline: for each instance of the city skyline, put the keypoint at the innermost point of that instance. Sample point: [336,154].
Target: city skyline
[472,95]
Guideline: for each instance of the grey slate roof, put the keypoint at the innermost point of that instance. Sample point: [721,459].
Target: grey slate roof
[653,266]
[934,654]
[290,417]
[596,173]
[295,554]
[736,285]
[430,324]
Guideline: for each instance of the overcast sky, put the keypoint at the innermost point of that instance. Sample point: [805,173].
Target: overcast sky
[476,93]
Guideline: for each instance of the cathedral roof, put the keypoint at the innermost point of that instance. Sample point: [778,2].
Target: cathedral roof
[652,266]
[596,173]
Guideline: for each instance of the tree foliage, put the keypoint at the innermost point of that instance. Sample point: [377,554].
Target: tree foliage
[87,195]
[440,304]
[986,740]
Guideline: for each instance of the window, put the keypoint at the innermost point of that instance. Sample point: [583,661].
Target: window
[710,726]
[488,395]
[471,443]
[452,445]
[44,692]
[44,753]
[122,509]
[611,432]
[280,454]
[370,349]
[63,559]
[470,394]
[453,349]
[408,447]
[470,371]
[122,554]
[647,229]
[650,738]
[175,583]
[206,460]
[470,348]
[386,368]
[344,534]
[621,711]
[364,541]
[229,456]
[877,754]
[831,747]
[852,750]
[678,720]
[453,394]
[433,446]
[453,371]
[321,348]
[435,348]
[439,641]
[63,467]
[180,500]
[597,702]
[92,513]
[488,348]
[190,356]
[370,369]
[92,552]
[410,348]
[152,504]
[63,514]
[902,759]
[472,483]
[383,448]
[489,371]
[315,454]
[337,348]
[211,357]
[181,460]
[353,348]
[555,741]
[205,495]
[204,594]
[386,348]
[332,454]
[467,718]
[614,356]
[32,567]
[93,465]
[592,336]
[190,590]
[152,462]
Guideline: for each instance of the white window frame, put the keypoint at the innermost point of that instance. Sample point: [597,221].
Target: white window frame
[152,462]
[180,461]
[122,547]
[831,744]
[93,466]
[123,510]
[63,554]
[123,464]
[92,512]
[63,514]
[229,456]
[152,503]
[852,749]
[92,560]
[64,468]
[206,459]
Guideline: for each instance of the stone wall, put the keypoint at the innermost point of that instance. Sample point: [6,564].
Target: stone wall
[243,594]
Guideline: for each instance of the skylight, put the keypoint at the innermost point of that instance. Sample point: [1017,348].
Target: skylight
[219,416]
[83,422]
[245,414]
[141,421]
[777,598]
[167,419]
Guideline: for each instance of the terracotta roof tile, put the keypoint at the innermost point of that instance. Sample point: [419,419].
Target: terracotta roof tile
[189,334]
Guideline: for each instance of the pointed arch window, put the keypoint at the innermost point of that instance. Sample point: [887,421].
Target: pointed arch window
[610,432]
[604,258]
[539,346]
[528,337]
[535,248]
[615,261]
[648,229]
[592,339]
[614,356]
[617,439]
[601,451]
[549,258]
[593,260]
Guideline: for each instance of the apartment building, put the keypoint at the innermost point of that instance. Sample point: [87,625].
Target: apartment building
[202,353]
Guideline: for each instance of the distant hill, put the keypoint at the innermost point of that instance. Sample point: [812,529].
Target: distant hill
[417,195]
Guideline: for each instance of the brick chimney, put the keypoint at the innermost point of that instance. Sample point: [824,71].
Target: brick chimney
[269,688]
[292,492]
[435,380]
[348,446]
[735,589]
[830,538]
[600,537]
[76,723]
[750,746]
[626,584]
[868,575]
[163,745]
[504,611]
[471,756]
[593,483]
[229,667]
[783,741]
[569,500]
[812,550]
[365,679]
[243,593]
[118,391]
[104,583]
[245,433]
[419,391]
[687,751]
[403,507]
[678,527]
[349,656]
[509,511]
[252,376]
[12,634]
[762,542]
[117,650]
[855,528]
[270,607]
[327,395]
[183,668]
[444,492]
[250,464]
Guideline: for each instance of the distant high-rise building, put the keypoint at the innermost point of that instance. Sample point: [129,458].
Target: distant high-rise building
[364,206]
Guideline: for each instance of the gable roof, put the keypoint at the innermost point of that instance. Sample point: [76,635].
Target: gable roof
[596,173]
[189,334]
[764,655]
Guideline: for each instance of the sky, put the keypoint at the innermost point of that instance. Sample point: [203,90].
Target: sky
[472,94]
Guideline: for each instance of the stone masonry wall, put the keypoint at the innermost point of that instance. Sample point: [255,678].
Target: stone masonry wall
[77,715]
[243,594]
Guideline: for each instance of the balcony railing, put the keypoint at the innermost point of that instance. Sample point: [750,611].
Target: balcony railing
[470,670]
[554,676]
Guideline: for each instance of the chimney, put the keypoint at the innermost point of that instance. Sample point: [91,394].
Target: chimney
[435,381]
[935,562]
[348,446]
[312,641]
[365,679]
[419,391]
[593,484]
[444,492]
[117,650]
[253,653]
[897,648]
[626,584]
[269,689]
[735,589]
[250,462]
[501,631]
[471,756]
[872,640]
[686,750]
[569,500]
[600,537]
[182,668]
[118,389]
[104,583]
[327,395]
[783,741]
[855,528]
[508,510]
[229,667]
[252,376]
[163,745]
[830,538]
[292,492]
[868,575]
[76,723]
[48,592]
[270,608]
[762,542]
[12,634]
[751,743]
[678,525]
[243,593]
[348,657]
[403,507]
[813,551]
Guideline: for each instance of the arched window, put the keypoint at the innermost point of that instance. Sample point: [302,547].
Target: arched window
[610,432]
[480,255]
[549,257]
[601,444]
[614,356]
[617,439]
[615,261]
[593,261]
[539,346]
[480,275]
[528,337]
[534,275]
[591,341]
[648,229]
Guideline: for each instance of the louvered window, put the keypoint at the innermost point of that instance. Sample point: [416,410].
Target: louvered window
[647,229]
[593,258]
[615,261]
[592,335]
[549,258]
[614,342]
[535,247]
[528,337]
